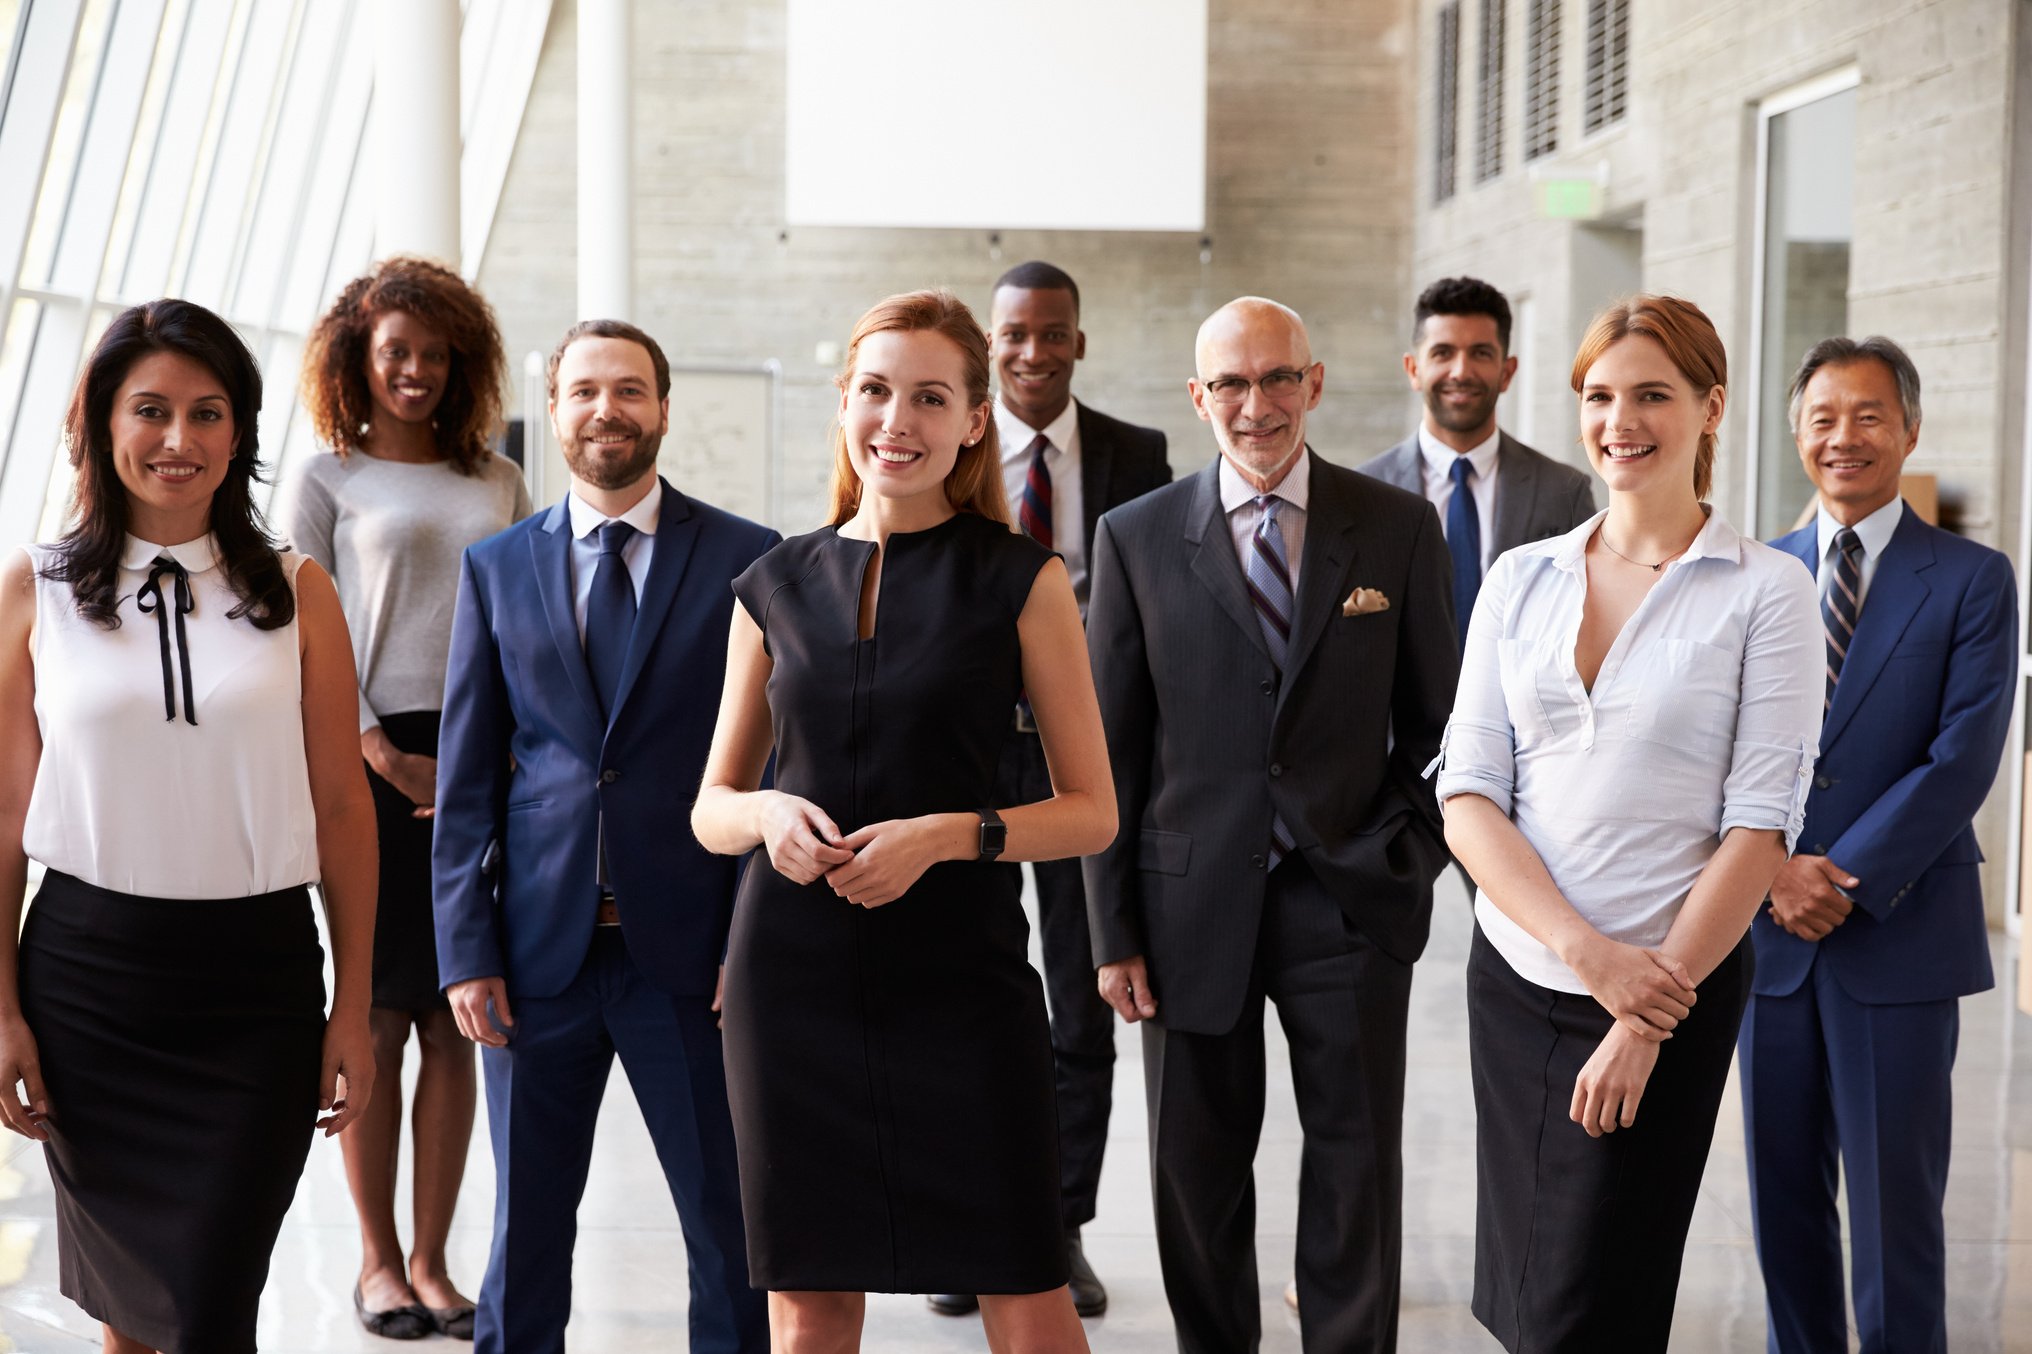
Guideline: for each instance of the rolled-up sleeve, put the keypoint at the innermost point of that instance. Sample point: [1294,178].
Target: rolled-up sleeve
[1778,720]
[1478,751]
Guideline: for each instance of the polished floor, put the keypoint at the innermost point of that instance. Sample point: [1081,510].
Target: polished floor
[630,1269]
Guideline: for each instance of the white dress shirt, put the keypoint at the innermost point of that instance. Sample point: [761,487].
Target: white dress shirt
[1438,460]
[1874,531]
[133,802]
[1705,717]
[1062,459]
[586,521]
[1238,501]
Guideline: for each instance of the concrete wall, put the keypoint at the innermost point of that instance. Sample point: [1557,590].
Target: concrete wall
[1309,110]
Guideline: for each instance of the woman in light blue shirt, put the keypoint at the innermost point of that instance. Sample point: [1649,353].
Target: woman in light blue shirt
[1625,770]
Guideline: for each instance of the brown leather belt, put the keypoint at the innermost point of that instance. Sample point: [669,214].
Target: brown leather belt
[608,915]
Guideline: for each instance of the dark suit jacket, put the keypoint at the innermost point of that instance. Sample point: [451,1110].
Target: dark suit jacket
[1118,461]
[1908,752]
[1536,496]
[1205,739]
[526,765]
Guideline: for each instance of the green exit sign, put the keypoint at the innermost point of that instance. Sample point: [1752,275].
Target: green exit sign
[1577,199]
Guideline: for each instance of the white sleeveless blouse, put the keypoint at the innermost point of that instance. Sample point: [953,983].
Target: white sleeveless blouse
[133,801]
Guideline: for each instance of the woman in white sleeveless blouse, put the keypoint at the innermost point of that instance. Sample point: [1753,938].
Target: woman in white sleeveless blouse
[1625,770]
[179,750]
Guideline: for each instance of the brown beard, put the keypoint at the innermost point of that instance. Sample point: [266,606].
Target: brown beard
[604,473]
[1476,417]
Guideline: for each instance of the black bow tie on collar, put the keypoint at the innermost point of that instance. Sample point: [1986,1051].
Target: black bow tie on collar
[149,600]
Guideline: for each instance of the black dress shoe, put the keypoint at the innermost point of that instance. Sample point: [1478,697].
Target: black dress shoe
[953,1304]
[1089,1298]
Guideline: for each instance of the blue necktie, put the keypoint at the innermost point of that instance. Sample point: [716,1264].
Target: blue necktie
[1269,581]
[610,614]
[1464,543]
[1841,604]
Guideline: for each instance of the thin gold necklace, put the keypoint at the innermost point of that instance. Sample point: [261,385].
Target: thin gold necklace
[1603,537]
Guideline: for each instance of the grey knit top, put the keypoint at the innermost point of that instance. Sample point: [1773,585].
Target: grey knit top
[391,534]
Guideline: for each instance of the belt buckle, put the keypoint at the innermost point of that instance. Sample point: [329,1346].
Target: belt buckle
[1026,719]
[607,914]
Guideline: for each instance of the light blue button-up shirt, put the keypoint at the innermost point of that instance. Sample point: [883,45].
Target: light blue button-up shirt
[1705,717]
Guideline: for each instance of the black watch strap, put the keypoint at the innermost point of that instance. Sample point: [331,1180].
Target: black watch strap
[994,834]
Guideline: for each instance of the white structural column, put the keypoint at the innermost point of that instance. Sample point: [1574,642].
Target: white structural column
[606,162]
[415,147]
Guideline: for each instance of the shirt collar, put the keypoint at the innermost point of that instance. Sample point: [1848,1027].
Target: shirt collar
[1717,540]
[1439,457]
[1874,531]
[1295,488]
[585,518]
[1017,435]
[195,556]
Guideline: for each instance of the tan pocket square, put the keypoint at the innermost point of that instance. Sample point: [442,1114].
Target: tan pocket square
[1364,602]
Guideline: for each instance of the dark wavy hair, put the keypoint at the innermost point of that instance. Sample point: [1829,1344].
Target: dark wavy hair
[335,359]
[88,556]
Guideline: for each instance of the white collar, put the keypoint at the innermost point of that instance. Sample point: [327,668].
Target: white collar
[1717,540]
[195,556]
[1016,434]
[585,518]
[1295,488]
[1875,531]
[1439,457]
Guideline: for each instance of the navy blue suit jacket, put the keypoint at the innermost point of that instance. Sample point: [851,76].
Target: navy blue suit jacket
[526,765]
[1907,754]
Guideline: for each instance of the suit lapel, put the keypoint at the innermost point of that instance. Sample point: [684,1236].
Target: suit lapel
[1895,595]
[550,556]
[1213,556]
[677,531]
[1328,555]
[1404,466]
[1516,493]
[1097,456]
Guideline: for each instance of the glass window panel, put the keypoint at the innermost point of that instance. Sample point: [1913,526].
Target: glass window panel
[109,137]
[353,247]
[15,343]
[38,421]
[57,501]
[240,124]
[331,190]
[307,88]
[72,116]
[478,34]
[154,100]
[10,19]
[1808,225]
[168,200]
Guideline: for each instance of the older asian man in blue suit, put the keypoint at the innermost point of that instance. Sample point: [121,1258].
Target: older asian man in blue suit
[577,918]
[1875,928]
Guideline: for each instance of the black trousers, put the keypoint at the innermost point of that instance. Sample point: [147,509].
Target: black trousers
[1082,1025]
[1342,1003]
[1578,1240]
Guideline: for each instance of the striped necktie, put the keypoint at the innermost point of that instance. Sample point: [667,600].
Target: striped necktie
[1034,512]
[1269,579]
[1840,604]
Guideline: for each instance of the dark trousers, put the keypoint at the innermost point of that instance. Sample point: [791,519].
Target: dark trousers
[1342,1003]
[1578,1240]
[1826,1076]
[1082,1025]
[543,1098]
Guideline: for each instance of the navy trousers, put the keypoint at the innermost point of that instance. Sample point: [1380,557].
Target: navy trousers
[1826,1075]
[543,1097]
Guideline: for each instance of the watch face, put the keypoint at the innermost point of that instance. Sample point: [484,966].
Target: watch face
[993,837]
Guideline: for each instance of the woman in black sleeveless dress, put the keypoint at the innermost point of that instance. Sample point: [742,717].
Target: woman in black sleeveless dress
[888,1056]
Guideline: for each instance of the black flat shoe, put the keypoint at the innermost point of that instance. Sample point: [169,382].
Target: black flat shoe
[1089,1298]
[953,1304]
[397,1323]
[456,1322]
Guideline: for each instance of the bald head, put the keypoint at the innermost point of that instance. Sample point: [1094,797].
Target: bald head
[1252,318]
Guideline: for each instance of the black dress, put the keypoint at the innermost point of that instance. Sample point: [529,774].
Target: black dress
[890,1068]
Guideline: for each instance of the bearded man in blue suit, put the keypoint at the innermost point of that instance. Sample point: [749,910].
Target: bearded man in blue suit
[577,917]
[1875,928]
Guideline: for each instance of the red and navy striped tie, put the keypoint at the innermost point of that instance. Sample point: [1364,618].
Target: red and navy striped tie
[1034,512]
[1840,603]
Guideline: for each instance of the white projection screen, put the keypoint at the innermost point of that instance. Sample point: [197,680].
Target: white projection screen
[1045,114]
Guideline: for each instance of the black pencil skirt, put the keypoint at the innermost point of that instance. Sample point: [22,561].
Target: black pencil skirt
[180,1044]
[1578,1240]
[405,929]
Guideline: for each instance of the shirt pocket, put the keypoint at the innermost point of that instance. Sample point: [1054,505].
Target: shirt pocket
[1526,668]
[1685,694]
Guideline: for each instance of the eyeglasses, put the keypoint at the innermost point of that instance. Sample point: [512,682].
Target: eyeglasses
[1281,384]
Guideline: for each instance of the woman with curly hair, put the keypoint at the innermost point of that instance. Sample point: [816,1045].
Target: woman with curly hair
[402,378]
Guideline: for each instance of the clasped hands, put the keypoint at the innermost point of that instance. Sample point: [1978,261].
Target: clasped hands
[868,867]
[1648,992]
[1807,899]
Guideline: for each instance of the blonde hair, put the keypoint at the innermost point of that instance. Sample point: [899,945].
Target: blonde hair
[975,482]
[1688,337]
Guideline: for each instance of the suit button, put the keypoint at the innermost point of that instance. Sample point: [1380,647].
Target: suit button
[1257,862]
[1269,687]
[1821,782]
[609,776]
[1276,769]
